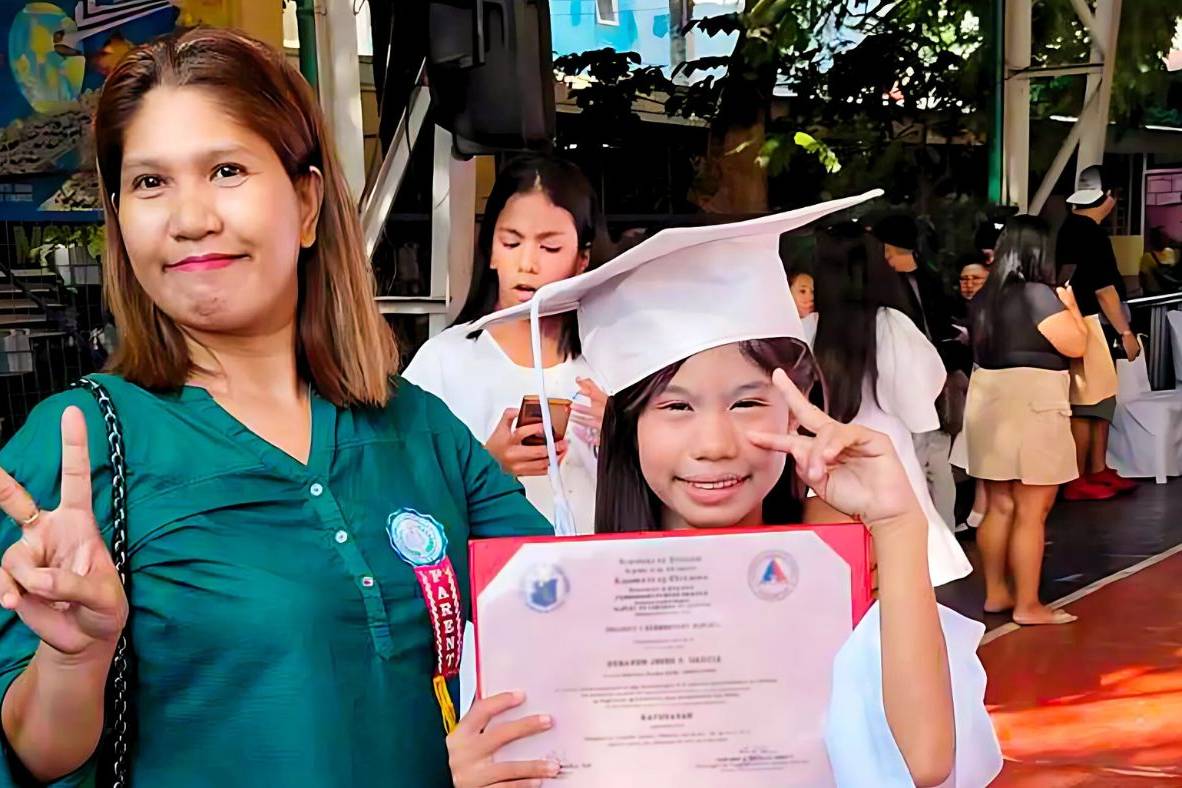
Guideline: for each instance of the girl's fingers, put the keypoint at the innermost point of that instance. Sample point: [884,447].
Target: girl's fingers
[806,413]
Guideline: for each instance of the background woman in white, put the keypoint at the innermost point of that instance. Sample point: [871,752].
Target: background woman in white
[881,371]
[541,221]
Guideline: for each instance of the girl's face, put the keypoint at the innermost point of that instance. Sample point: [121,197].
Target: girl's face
[802,294]
[535,243]
[211,221]
[693,446]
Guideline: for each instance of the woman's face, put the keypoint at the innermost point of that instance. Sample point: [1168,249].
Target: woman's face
[534,243]
[211,221]
[693,446]
[802,294]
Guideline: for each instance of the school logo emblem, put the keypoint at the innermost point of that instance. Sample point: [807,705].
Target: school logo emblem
[544,588]
[417,538]
[773,575]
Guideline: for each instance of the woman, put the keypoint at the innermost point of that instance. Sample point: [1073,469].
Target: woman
[801,284]
[279,635]
[882,372]
[540,224]
[710,440]
[1017,418]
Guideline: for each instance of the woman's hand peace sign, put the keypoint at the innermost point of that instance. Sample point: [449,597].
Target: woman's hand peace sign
[852,468]
[59,576]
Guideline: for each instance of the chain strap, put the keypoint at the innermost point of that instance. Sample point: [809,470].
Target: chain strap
[116,740]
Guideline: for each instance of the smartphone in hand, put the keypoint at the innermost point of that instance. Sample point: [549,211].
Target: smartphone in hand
[530,412]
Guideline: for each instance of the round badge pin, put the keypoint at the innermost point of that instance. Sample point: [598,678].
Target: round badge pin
[417,538]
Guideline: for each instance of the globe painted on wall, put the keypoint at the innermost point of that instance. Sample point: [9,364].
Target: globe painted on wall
[46,79]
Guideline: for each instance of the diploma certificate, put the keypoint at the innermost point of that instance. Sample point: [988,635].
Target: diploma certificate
[686,659]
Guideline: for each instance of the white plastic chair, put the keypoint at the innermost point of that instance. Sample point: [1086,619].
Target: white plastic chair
[1175,318]
[1146,436]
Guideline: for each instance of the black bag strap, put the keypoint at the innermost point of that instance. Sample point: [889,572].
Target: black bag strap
[114,768]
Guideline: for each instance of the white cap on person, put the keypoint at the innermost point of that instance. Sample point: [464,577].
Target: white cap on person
[1089,187]
[678,293]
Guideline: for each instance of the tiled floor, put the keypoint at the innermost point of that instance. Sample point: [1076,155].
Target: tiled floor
[1086,542]
[1097,704]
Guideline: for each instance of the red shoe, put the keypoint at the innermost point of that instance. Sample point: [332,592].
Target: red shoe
[1087,490]
[1110,478]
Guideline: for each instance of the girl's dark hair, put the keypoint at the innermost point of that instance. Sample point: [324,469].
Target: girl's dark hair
[796,274]
[852,282]
[1024,254]
[564,185]
[623,500]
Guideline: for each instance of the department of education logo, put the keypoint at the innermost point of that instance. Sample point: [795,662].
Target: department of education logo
[417,538]
[773,575]
[544,588]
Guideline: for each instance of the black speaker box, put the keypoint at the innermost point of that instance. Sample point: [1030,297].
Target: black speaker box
[491,74]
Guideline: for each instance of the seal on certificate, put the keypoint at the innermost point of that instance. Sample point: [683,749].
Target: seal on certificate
[417,538]
[544,588]
[773,575]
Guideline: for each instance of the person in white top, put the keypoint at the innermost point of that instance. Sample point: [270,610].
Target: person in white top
[540,223]
[881,371]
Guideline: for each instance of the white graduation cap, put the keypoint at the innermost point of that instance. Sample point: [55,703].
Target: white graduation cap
[678,293]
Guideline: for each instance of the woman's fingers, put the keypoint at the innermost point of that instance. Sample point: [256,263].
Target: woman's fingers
[76,491]
[10,592]
[484,709]
[15,502]
[500,735]
[514,772]
[806,413]
[535,430]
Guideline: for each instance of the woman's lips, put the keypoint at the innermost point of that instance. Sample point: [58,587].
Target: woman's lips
[205,262]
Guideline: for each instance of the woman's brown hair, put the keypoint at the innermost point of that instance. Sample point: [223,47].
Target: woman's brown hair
[344,345]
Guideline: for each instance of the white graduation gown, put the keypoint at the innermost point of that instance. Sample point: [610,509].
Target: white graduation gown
[910,377]
[478,382]
[862,750]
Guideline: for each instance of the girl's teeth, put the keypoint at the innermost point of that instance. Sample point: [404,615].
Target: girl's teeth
[715,485]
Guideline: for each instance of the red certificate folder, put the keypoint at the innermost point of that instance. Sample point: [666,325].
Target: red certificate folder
[850,541]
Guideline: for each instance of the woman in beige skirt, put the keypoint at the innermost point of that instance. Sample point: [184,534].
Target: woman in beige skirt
[1018,418]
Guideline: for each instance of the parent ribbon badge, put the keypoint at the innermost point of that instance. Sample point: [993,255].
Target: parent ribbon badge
[420,541]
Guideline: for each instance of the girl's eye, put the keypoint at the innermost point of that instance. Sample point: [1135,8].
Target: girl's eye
[750,403]
[510,244]
[228,171]
[147,182]
[552,249]
[675,406]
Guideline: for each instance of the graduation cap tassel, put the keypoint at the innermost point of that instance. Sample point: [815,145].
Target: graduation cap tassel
[564,521]
[446,707]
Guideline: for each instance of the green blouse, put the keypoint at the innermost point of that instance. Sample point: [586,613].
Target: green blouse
[278,638]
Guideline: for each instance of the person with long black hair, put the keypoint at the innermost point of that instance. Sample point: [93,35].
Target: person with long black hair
[1017,418]
[881,371]
[540,225]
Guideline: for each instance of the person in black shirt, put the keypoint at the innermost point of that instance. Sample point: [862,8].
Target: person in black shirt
[1017,425]
[1086,259]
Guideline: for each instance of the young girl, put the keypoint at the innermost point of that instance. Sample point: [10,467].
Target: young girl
[540,224]
[881,371]
[709,426]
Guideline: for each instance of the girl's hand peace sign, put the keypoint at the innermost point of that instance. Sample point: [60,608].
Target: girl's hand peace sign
[852,468]
[59,576]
